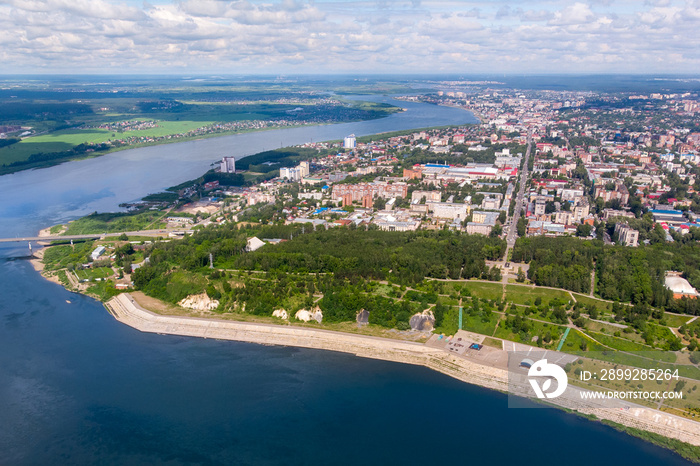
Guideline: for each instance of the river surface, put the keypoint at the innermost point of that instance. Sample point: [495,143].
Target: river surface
[77,387]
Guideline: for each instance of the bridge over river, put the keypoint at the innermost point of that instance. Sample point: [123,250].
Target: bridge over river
[89,236]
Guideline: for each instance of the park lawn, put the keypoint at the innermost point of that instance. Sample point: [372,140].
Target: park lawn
[446,300]
[527,295]
[116,222]
[609,329]
[548,317]
[675,321]
[476,325]
[575,340]
[482,290]
[603,307]
[450,322]
[622,344]
[538,329]
[492,342]
[92,274]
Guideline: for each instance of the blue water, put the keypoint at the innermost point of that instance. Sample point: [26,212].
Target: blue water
[77,387]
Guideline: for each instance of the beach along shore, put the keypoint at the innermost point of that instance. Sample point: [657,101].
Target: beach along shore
[126,310]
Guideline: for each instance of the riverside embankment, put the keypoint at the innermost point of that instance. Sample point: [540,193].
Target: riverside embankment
[127,311]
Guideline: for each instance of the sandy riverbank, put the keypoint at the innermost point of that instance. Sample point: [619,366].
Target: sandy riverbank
[127,311]
[37,262]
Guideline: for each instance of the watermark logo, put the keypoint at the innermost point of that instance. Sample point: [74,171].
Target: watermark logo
[542,369]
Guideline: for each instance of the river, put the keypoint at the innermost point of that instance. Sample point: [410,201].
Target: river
[77,387]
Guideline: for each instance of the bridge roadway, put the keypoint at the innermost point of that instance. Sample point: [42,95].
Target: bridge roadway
[89,236]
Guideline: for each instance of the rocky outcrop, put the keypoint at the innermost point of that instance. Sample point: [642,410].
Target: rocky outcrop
[362,317]
[280,313]
[308,316]
[423,321]
[199,302]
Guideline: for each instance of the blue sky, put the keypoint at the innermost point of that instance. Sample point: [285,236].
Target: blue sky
[344,36]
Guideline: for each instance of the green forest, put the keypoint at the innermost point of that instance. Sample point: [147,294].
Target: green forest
[630,275]
[337,262]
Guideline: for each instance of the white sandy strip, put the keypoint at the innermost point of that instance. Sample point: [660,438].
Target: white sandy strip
[127,311]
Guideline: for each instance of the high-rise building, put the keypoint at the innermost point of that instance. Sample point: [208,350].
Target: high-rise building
[350,142]
[291,174]
[228,165]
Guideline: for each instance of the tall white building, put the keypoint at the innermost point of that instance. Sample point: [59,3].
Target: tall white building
[228,165]
[350,142]
[305,168]
[292,174]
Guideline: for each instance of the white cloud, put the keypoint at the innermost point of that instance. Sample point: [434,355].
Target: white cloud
[578,13]
[347,36]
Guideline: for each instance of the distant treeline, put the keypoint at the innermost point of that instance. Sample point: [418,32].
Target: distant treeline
[42,159]
[9,141]
[22,111]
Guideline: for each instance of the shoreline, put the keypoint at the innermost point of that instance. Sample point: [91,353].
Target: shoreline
[125,310]
[8,170]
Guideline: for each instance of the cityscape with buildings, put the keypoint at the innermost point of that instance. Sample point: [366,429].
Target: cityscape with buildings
[350,232]
[590,174]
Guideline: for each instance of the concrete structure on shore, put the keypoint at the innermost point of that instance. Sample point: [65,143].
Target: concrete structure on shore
[126,310]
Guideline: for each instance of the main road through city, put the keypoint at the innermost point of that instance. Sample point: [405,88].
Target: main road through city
[512,233]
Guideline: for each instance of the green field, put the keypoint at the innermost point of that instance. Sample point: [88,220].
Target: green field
[527,295]
[116,222]
[490,291]
[603,307]
[92,274]
[63,140]
[538,329]
[675,321]
[577,341]
[477,325]
[621,344]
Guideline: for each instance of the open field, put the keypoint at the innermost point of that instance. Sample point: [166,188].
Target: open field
[116,222]
[603,306]
[673,320]
[490,291]
[63,140]
[92,274]
[527,295]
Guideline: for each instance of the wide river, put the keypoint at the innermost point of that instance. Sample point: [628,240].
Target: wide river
[77,387]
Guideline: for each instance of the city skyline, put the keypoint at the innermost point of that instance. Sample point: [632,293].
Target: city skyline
[328,37]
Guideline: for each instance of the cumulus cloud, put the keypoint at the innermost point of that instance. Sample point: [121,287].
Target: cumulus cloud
[348,36]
